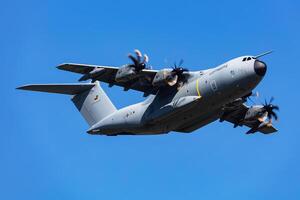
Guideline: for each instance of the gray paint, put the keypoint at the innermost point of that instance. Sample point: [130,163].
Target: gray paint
[198,102]
[94,104]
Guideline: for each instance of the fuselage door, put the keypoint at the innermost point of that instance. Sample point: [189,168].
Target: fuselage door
[213,85]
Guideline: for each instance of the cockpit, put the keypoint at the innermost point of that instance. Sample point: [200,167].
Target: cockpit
[247,58]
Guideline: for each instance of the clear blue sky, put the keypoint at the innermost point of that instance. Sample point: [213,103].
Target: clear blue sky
[44,150]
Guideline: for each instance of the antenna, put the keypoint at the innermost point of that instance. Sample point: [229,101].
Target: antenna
[263,54]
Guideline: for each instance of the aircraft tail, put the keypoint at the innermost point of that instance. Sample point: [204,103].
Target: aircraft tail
[89,98]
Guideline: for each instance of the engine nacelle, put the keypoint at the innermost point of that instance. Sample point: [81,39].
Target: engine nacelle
[126,73]
[164,78]
[254,113]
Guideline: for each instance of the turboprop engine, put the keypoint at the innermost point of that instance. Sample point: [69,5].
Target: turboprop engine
[131,71]
[170,77]
[164,77]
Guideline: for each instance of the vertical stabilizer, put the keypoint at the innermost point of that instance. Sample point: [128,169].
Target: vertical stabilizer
[94,104]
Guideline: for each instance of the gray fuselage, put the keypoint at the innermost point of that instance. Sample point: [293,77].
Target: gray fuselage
[198,102]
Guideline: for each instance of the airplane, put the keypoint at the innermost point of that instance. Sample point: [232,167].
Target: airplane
[177,100]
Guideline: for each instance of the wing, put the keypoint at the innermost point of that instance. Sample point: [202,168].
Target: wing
[199,122]
[269,128]
[236,115]
[142,83]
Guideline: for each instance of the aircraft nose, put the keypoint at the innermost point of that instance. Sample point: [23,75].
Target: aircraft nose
[260,68]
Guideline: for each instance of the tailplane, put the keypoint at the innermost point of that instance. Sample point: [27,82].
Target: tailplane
[89,98]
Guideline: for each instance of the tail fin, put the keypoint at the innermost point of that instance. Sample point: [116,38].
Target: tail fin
[89,98]
[93,104]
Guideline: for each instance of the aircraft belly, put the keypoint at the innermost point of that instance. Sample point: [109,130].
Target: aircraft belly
[128,121]
[197,121]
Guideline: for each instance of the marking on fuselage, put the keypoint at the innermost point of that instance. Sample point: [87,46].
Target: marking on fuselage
[218,69]
[197,88]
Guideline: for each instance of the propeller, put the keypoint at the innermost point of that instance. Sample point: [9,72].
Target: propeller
[269,107]
[140,61]
[177,72]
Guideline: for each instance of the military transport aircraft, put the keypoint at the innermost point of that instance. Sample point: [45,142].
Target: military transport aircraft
[178,99]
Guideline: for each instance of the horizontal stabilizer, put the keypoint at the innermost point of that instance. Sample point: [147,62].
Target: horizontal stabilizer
[71,89]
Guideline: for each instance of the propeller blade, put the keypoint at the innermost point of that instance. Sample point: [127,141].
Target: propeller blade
[134,60]
[276,108]
[180,63]
[271,100]
[175,65]
[146,58]
[275,116]
[272,114]
[138,55]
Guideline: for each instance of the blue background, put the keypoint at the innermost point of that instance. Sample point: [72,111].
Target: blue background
[44,150]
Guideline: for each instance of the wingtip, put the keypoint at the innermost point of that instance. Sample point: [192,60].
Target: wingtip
[22,87]
[62,66]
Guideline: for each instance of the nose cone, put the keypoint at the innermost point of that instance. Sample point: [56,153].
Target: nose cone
[260,68]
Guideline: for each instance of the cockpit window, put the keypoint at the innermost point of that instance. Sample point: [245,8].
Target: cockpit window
[247,58]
